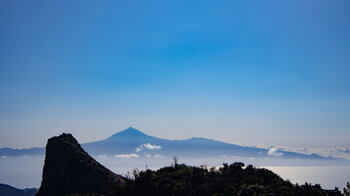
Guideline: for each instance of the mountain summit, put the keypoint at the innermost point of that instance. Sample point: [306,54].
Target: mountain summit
[129,132]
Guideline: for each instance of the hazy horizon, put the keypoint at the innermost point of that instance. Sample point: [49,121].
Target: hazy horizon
[272,72]
[336,152]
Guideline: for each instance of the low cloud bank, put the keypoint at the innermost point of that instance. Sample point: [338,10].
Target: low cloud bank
[148,146]
[127,156]
[274,152]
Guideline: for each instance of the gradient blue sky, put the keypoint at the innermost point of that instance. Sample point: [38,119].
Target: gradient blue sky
[272,72]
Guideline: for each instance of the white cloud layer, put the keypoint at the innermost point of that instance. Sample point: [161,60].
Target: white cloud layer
[148,146]
[158,156]
[338,152]
[231,156]
[127,156]
[274,152]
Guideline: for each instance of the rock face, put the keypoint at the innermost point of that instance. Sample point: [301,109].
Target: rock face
[69,170]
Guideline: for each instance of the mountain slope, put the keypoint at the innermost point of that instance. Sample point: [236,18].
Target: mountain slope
[129,140]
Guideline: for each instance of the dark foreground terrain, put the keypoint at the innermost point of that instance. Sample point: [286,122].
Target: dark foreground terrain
[69,170]
[233,179]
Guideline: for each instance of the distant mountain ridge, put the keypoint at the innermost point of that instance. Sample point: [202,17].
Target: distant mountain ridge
[138,144]
[23,151]
[7,190]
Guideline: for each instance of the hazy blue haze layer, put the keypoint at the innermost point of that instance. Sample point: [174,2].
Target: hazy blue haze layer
[30,170]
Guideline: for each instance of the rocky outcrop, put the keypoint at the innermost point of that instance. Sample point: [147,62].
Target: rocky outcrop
[69,170]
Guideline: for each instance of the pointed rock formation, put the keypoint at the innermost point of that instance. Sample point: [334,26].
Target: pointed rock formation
[69,169]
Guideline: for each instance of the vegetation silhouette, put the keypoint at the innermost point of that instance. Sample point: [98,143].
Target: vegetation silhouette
[347,189]
[230,179]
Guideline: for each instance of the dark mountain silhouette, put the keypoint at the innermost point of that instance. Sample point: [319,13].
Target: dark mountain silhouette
[127,141]
[69,169]
[7,190]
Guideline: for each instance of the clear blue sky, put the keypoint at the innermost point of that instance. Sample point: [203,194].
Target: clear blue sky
[272,72]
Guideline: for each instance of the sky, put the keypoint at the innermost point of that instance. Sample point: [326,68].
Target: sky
[267,72]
